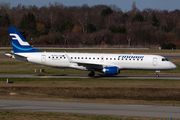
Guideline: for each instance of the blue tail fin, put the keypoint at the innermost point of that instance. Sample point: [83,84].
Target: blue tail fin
[20,45]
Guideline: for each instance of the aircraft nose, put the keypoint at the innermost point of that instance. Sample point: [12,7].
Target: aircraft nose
[174,66]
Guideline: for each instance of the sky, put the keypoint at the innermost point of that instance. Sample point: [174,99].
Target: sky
[125,5]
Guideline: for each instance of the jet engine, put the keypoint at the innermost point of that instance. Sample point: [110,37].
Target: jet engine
[111,70]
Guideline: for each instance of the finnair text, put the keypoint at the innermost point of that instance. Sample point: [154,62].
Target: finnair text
[132,57]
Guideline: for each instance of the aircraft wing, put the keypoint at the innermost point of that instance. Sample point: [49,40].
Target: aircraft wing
[91,65]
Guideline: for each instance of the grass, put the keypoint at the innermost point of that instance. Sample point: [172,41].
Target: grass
[129,51]
[128,91]
[120,51]
[21,115]
[90,82]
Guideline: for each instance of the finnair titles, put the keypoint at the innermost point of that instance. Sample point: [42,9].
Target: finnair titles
[132,57]
[109,64]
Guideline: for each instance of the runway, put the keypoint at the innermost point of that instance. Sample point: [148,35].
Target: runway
[151,111]
[85,76]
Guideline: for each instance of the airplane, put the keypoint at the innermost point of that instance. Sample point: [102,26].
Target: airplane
[109,64]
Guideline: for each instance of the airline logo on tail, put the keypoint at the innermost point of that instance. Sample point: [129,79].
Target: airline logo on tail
[20,45]
[16,37]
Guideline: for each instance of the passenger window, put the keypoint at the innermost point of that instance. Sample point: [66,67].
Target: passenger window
[126,58]
[114,58]
[71,57]
[141,59]
[110,58]
[82,58]
[89,58]
[94,58]
[49,57]
[122,58]
[106,58]
[74,57]
[86,57]
[137,59]
[64,57]
[78,58]
[98,58]
[129,59]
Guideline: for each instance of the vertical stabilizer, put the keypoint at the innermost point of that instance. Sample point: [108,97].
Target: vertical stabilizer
[20,45]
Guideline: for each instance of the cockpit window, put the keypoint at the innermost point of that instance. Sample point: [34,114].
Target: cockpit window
[165,59]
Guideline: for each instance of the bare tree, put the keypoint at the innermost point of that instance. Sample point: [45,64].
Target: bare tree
[66,36]
[134,9]
[83,18]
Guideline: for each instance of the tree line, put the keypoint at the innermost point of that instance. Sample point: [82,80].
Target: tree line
[83,25]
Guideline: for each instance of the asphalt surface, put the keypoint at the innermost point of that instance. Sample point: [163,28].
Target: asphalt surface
[150,111]
[85,76]
[2,55]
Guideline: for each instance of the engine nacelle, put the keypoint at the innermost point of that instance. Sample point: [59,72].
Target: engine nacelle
[111,70]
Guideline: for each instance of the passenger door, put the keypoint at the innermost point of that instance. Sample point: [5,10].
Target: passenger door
[43,58]
[154,61]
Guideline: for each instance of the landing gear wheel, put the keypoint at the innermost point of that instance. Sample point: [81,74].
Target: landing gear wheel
[91,74]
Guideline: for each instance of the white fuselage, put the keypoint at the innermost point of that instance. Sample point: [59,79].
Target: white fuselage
[84,61]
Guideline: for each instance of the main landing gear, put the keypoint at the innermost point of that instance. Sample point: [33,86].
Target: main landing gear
[91,74]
